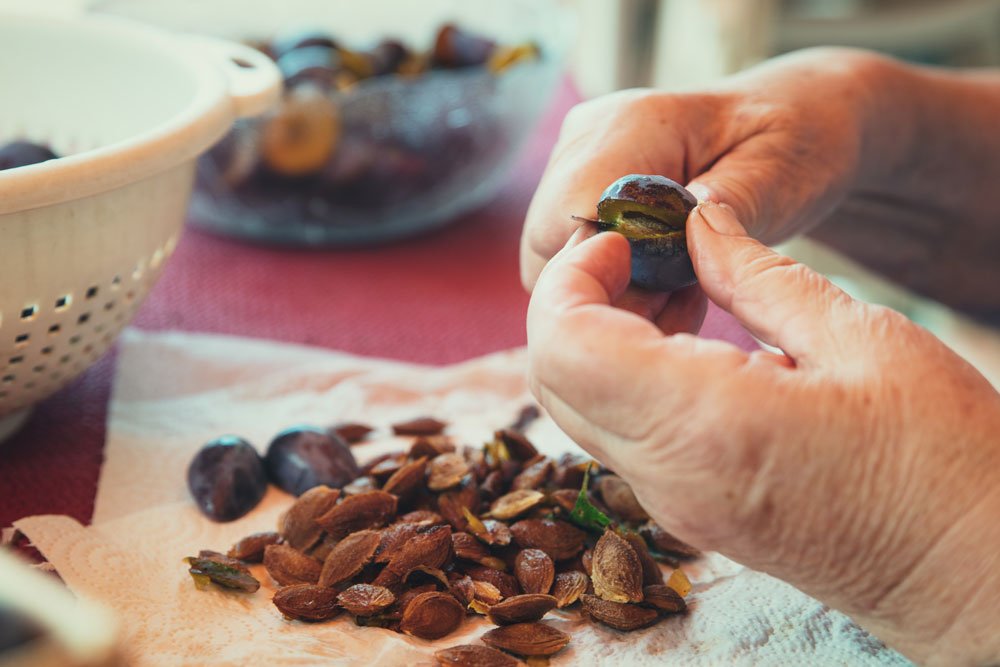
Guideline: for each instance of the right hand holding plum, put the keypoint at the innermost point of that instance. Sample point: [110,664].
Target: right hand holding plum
[861,467]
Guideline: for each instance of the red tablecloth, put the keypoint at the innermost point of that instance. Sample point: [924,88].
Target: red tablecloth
[441,298]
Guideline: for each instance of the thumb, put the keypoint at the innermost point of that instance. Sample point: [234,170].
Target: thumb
[780,301]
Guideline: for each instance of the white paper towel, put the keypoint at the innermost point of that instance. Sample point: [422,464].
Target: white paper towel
[173,392]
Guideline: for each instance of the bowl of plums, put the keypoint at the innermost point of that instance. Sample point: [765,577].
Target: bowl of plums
[96,165]
[397,117]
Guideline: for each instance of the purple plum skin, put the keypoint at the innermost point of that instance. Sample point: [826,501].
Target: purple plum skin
[226,478]
[302,457]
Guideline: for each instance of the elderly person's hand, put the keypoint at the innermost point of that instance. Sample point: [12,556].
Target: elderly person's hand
[901,162]
[764,143]
[862,467]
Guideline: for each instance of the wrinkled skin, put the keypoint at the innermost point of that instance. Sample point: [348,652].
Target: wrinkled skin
[859,464]
[900,163]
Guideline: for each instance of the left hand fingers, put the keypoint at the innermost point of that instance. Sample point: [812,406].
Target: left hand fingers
[682,311]
[592,362]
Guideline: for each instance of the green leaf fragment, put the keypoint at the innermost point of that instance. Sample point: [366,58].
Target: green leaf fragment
[203,570]
[584,514]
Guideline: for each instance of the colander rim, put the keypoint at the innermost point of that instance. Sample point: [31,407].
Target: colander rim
[192,130]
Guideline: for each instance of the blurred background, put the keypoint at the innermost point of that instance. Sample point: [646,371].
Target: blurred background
[675,44]
[680,43]
[424,162]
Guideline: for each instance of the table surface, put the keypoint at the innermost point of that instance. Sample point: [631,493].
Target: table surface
[440,298]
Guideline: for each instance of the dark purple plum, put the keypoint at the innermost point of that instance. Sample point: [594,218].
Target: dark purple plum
[301,39]
[387,56]
[314,64]
[651,212]
[454,48]
[302,457]
[227,478]
[16,629]
[22,153]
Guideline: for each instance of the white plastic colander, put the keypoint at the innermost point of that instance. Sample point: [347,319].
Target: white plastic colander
[84,237]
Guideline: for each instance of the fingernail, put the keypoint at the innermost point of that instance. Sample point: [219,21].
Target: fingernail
[721,219]
[700,192]
[583,232]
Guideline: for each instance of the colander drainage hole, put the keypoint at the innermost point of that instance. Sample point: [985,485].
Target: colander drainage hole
[8,379]
[83,319]
[65,359]
[40,368]
[21,339]
[75,339]
[47,349]
[29,312]
[54,329]
[16,360]
[109,305]
[91,291]
[63,302]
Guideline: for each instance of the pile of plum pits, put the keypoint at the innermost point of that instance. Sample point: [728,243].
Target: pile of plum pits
[311,150]
[415,541]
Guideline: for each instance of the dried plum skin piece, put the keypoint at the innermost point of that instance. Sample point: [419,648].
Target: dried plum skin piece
[222,571]
[651,212]
[227,478]
[302,457]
